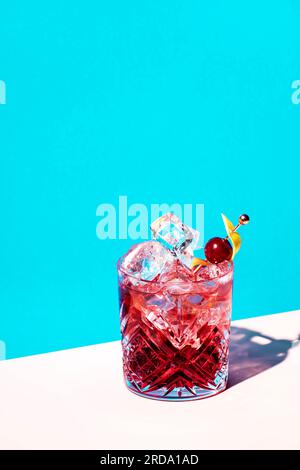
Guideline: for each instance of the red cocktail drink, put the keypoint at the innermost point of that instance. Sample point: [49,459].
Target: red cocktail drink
[175,330]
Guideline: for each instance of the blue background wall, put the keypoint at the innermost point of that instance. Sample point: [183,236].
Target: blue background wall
[163,102]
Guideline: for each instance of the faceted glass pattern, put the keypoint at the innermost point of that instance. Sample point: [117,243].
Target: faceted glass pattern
[175,332]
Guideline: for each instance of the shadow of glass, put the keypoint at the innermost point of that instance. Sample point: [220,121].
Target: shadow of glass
[252,352]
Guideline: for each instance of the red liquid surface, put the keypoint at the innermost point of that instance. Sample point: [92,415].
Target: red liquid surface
[175,336]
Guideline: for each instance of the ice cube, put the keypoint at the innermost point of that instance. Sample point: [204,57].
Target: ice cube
[172,233]
[214,271]
[162,301]
[186,257]
[156,308]
[146,261]
[164,311]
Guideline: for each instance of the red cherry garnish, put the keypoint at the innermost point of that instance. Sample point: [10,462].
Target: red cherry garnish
[217,250]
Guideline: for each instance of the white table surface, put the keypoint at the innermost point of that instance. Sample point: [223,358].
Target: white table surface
[76,399]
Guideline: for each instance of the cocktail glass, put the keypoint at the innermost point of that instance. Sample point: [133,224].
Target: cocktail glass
[175,332]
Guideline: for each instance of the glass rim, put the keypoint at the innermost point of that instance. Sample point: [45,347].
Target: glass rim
[158,282]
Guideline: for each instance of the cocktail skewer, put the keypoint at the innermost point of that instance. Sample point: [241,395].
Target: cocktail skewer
[244,219]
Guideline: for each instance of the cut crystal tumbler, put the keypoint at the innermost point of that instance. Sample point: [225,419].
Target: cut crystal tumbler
[175,332]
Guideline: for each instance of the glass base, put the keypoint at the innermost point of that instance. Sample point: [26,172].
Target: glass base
[178,393]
